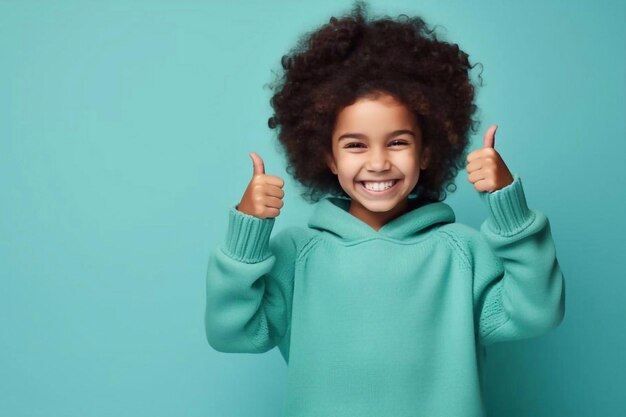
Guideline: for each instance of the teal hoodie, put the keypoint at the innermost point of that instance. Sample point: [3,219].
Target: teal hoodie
[387,323]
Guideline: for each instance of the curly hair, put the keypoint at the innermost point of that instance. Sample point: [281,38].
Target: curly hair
[354,57]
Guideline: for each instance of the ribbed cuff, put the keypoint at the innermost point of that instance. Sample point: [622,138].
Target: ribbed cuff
[508,211]
[247,237]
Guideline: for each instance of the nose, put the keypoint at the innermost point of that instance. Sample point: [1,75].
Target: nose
[378,160]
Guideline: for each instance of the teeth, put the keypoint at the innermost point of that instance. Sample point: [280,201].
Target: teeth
[378,186]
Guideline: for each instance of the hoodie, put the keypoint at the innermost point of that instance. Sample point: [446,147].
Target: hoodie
[391,322]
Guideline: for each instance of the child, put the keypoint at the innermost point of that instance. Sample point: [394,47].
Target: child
[383,305]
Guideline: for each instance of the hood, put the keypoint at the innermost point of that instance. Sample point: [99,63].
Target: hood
[331,215]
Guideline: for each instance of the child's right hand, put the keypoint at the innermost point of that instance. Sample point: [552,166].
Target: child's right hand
[264,196]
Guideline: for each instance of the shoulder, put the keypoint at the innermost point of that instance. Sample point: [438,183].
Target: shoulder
[464,240]
[458,233]
[294,239]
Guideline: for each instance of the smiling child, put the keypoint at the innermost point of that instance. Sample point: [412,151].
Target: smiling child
[382,305]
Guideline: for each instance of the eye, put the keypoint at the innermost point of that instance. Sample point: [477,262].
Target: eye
[399,142]
[353,143]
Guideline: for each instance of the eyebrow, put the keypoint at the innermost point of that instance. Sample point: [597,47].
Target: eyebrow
[362,136]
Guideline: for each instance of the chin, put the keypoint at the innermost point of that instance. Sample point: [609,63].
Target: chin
[378,206]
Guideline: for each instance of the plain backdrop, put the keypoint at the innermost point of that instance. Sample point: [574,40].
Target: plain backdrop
[125,128]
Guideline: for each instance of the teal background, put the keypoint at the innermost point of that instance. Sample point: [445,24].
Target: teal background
[125,129]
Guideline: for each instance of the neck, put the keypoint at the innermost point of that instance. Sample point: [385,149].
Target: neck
[376,219]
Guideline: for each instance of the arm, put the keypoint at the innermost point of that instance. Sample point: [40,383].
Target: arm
[519,289]
[249,286]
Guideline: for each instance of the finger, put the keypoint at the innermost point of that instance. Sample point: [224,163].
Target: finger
[474,165]
[489,140]
[476,176]
[272,212]
[475,154]
[274,191]
[274,180]
[273,202]
[257,162]
[483,185]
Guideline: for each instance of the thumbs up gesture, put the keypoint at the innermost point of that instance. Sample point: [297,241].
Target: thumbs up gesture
[264,196]
[485,168]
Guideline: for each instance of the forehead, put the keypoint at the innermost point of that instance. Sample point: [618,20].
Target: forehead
[374,115]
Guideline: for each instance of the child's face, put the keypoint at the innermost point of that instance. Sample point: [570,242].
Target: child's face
[365,148]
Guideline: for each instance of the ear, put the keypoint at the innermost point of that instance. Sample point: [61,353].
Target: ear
[330,161]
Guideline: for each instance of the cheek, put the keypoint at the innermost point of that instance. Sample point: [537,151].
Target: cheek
[347,167]
[346,175]
[411,171]
[406,162]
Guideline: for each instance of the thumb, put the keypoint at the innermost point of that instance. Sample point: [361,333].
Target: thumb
[258,166]
[490,137]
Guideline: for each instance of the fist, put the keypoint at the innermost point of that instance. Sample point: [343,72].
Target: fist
[264,196]
[485,168]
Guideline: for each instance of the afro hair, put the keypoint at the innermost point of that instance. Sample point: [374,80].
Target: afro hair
[353,57]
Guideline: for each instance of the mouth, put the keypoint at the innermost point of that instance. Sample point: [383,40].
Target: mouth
[381,192]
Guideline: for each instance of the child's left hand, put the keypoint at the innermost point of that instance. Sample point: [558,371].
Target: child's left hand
[486,169]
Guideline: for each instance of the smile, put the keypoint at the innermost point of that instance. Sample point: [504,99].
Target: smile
[380,190]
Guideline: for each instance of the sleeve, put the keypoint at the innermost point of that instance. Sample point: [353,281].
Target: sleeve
[249,286]
[519,288]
